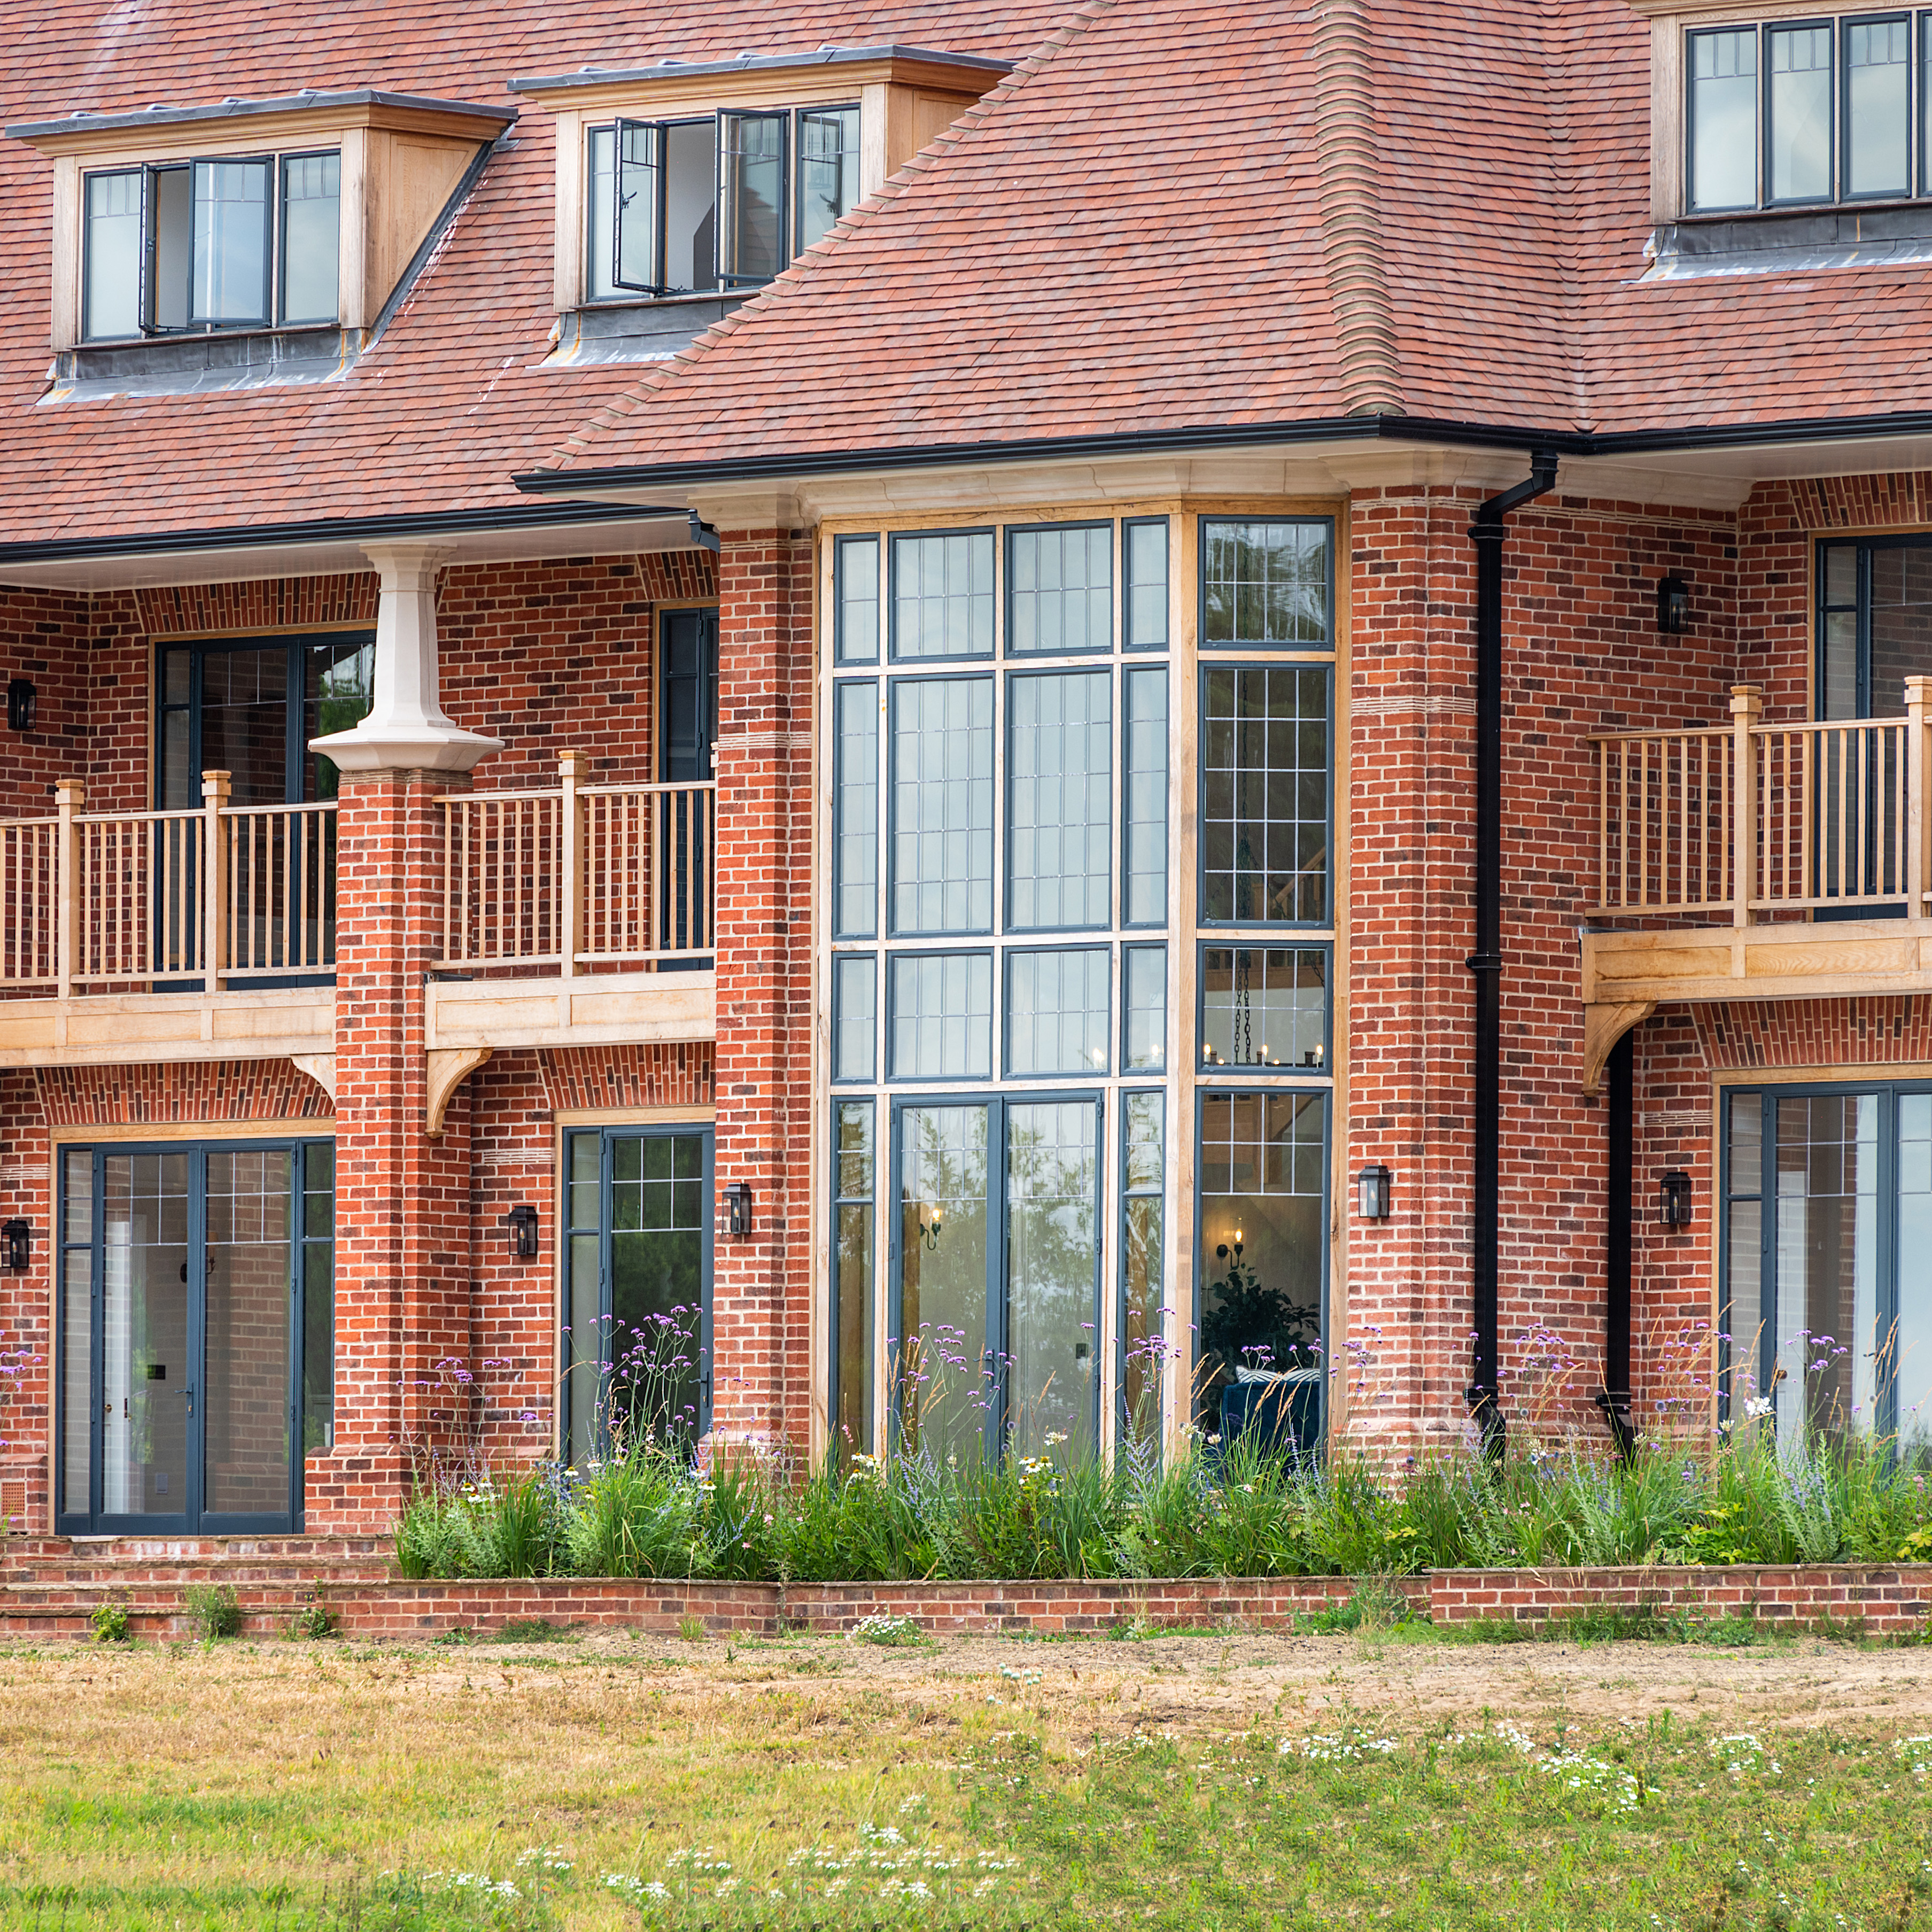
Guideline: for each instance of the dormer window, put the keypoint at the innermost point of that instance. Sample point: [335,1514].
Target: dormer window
[291,218]
[1802,113]
[223,243]
[686,207]
[691,184]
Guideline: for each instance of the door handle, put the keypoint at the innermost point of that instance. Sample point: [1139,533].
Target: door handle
[189,1392]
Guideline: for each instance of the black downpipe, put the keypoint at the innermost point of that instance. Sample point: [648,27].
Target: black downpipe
[1487,532]
[1614,1397]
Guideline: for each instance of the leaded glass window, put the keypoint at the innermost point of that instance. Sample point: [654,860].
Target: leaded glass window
[942,594]
[1060,732]
[1056,1008]
[855,856]
[1144,996]
[1264,1006]
[1143,601]
[1059,589]
[1143,796]
[942,804]
[855,592]
[1264,582]
[1264,758]
[854,1030]
[942,1016]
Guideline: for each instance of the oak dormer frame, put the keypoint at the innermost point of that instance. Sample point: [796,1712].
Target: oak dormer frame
[403,158]
[907,97]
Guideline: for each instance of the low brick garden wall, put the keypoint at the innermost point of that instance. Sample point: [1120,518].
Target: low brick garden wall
[1892,1601]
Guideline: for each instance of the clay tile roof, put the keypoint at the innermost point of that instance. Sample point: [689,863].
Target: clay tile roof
[452,400]
[1179,217]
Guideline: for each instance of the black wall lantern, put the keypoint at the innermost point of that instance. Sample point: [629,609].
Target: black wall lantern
[738,1210]
[522,1222]
[19,1240]
[1673,605]
[22,700]
[1374,1182]
[1673,1199]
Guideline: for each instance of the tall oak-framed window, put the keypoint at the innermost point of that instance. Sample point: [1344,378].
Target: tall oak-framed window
[1015,935]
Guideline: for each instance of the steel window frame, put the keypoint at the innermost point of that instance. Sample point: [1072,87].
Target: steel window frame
[870,1101]
[889,865]
[1008,532]
[894,541]
[1128,601]
[1123,1196]
[1767,32]
[1209,668]
[194,1520]
[1008,954]
[279,260]
[1131,669]
[881,811]
[999,1220]
[1886,1309]
[1209,1090]
[609,1133]
[1691,35]
[886,1076]
[1253,939]
[1082,665]
[1242,646]
[795,241]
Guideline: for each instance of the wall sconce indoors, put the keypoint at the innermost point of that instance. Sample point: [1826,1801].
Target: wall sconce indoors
[928,1231]
[18,1239]
[1673,605]
[737,1199]
[1673,1199]
[522,1223]
[1374,1201]
[22,701]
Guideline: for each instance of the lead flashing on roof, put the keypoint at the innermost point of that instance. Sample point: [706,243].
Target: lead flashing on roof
[676,69]
[309,100]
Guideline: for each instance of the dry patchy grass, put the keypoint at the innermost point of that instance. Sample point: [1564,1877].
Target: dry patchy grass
[339,1786]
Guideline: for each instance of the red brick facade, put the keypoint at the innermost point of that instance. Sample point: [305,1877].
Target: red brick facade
[445,1338]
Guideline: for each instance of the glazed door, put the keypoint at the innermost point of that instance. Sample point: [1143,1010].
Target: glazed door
[185,1275]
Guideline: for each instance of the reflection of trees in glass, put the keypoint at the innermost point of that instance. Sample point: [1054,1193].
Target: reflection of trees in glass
[943,1279]
[1050,1193]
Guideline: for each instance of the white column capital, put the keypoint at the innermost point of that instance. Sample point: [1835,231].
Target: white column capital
[406,728]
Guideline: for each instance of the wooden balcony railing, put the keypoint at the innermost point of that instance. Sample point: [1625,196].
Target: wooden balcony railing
[135,901]
[1759,820]
[581,876]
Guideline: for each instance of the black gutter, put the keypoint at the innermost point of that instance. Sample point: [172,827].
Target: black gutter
[344,530]
[1484,1392]
[1614,1397]
[1425,430]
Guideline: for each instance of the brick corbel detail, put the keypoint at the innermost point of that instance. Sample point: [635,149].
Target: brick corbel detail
[761,1286]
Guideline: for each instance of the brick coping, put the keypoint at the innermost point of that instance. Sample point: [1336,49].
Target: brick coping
[1888,1601]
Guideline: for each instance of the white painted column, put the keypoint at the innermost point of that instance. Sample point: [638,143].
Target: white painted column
[406,728]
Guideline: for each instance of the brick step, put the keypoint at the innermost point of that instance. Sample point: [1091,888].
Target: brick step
[106,1566]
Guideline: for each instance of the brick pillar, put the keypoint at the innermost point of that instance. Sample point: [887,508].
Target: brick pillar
[761,1287]
[403,1293]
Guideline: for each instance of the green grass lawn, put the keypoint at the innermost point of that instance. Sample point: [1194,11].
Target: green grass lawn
[612,1784]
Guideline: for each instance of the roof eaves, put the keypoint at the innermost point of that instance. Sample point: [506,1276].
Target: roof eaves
[1434,431]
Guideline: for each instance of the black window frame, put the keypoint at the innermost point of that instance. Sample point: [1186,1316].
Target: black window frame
[279,259]
[791,225]
[1220,1089]
[1125,1196]
[834,1392]
[1918,109]
[1004,590]
[999,1229]
[296,754]
[1208,667]
[272,316]
[1080,665]
[568,1228]
[1886,1299]
[1006,1073]
[1242,646]
[1251,939]
[192,1519]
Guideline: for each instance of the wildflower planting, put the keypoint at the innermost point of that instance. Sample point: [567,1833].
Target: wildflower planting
[648,1511]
